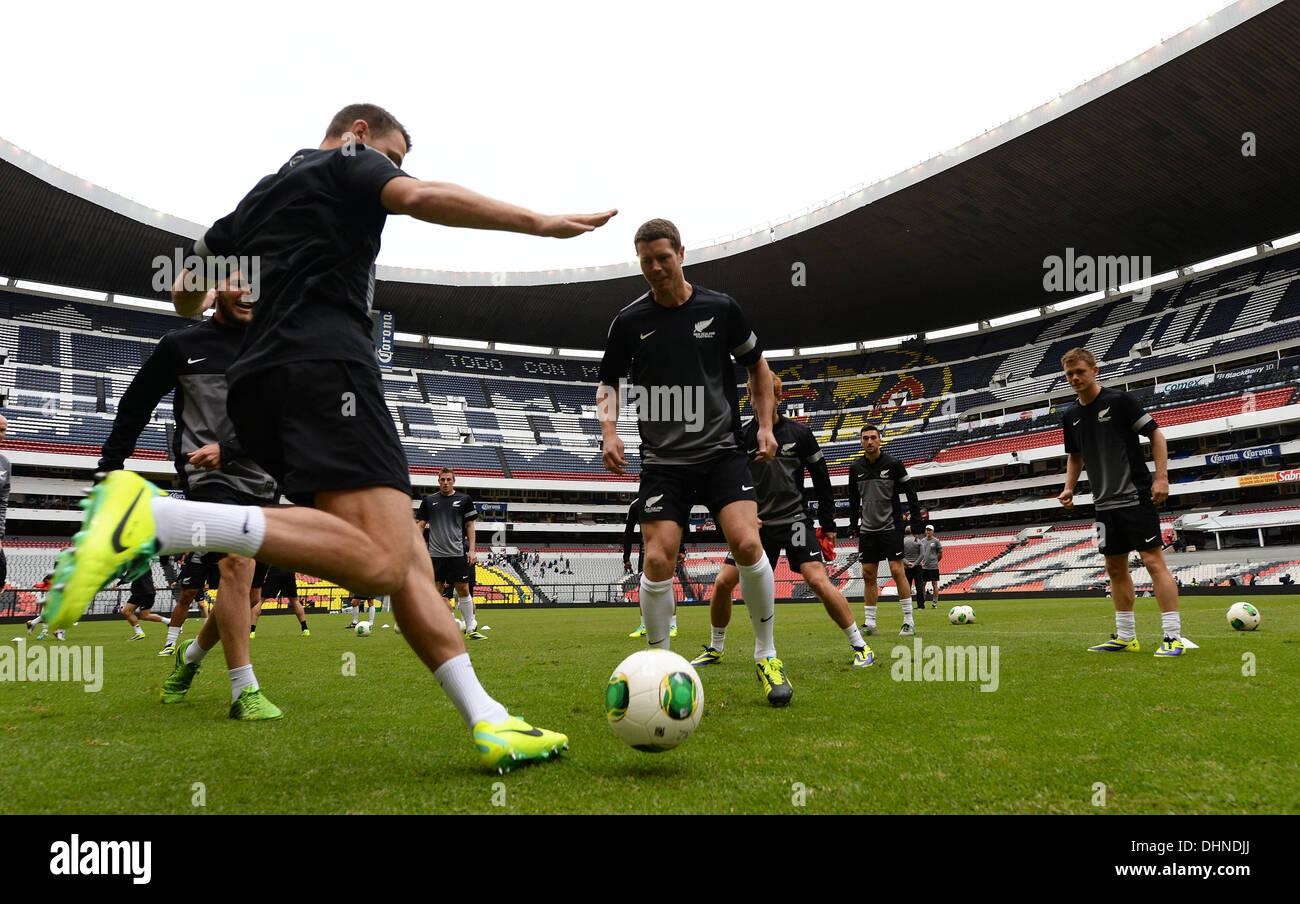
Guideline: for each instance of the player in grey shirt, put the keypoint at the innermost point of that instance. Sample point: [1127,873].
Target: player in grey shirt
[931,553]
[446,518]
[1101,433]
[912,565]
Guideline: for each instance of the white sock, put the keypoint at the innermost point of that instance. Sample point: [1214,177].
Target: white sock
[139,630]
[460,684]
[1125,626]
[183,525]
[372,615]
[35,621]
[869,616]
[466,606]
[354,609]
[758,588]
[172,634]
[61,634]
[194,653]
[719,638]
[673,623]
[1172,624]
[240,678]
[855,637]
[656,610]
[907,610]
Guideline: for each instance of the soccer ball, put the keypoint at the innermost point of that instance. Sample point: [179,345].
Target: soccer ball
[1243,616]
[654,700]
[961,615]
[363,629]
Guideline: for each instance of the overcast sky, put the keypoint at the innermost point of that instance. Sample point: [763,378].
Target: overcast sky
[720,116]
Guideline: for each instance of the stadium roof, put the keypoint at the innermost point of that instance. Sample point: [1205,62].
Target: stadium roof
[1150,159]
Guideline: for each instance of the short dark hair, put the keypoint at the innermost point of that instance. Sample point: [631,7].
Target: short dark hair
[447,471]
[379,119]
[651,230]
[871,427]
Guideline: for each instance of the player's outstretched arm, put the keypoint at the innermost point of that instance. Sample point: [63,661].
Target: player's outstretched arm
[448,204]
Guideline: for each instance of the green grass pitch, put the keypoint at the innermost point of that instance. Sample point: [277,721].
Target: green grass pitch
[1191,735]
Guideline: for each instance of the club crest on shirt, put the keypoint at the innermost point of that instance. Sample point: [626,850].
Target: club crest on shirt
[701,326]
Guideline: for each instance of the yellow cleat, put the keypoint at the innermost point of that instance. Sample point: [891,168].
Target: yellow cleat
[504,745]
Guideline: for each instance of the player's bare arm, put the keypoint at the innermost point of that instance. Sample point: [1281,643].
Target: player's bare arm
[1160,454]
[448,204]
[763,401]
[1073,468]
[612,446]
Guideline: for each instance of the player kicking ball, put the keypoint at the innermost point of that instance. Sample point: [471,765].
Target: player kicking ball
[43,586]
[786,525]
[1101,434]
[305,394]
[676,343]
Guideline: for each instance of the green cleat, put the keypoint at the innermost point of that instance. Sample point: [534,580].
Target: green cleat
[505,745]
[252,706]
[136,635]
[1172,646]
[116,540]
[771,674]
[639,632]
[1115,645]
[863,658]
[306,633]
[708,657]
[177,684]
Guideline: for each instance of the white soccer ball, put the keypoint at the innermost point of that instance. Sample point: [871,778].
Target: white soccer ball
[363,629]
[961,615]
[1243,616]
[654,700]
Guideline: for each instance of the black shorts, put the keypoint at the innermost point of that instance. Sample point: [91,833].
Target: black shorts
[201,570]
[874,546]
[318,426]
[259,574]
[451,568]
[1134,527]
[929,574]
[798,539]
[280,584]
[142,592]
[668,491]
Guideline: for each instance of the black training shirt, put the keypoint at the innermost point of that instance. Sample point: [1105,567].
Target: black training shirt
[681,376]
[1105,433]
[313,229]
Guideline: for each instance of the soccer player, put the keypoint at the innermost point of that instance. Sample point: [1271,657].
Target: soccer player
[875,481]
[931,556]
[676,343]
[1101,434]
[191,363]
[199,572]
[307,402]
[787,524]
[360,601]
[43,586]
[912,567]
[281,584]
[143,594]
[448,516]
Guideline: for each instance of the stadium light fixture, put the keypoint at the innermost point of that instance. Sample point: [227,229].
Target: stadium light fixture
[460,343]
[1213,262]
[1149,281]
[527,349]
[1018,316]
[408,337]
[1076,302]
[152,304]
[779,353]
[953,331]
[887,343]
[828,349]
[1285,241]
[60,290]
[582,353]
